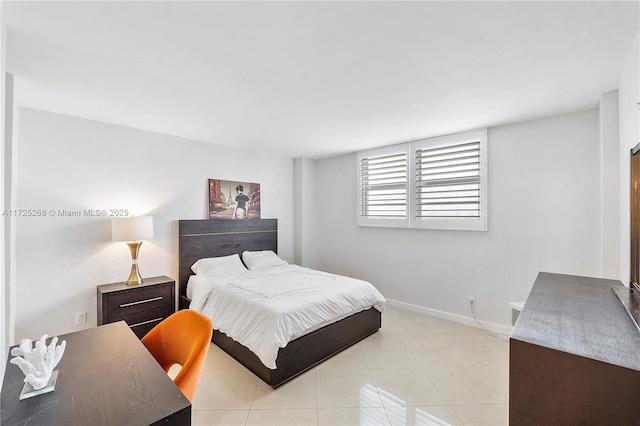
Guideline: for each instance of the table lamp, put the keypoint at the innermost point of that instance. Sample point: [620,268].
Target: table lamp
[132,230]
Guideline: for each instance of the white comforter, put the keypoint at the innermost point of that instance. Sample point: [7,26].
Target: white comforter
[266,309]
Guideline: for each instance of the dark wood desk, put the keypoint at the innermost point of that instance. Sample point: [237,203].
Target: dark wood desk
[106,377]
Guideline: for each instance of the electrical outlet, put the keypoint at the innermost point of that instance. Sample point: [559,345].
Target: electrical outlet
[471,300]
[81,317]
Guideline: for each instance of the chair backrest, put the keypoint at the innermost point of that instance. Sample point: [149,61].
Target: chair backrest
[182,338]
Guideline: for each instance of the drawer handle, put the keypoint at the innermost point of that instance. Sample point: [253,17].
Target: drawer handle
[146,322]
[124,305]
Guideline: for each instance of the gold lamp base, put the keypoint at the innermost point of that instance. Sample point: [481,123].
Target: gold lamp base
[134,276]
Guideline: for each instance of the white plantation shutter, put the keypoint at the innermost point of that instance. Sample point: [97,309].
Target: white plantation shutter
[450,181]
[447,177]
[383,186]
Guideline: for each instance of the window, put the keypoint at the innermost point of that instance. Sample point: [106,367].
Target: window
[448,183]
[383,186]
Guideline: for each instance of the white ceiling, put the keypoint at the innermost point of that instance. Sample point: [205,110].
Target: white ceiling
[316,79]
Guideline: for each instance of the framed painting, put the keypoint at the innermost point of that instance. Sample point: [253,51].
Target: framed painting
[233,200]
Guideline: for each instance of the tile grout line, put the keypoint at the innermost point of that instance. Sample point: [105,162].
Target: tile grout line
[315,372]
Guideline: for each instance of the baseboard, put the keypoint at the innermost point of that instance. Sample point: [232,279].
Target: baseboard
[495,328]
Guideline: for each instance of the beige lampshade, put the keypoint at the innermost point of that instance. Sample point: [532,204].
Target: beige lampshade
[136,228]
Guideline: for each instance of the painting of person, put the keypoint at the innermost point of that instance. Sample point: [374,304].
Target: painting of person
[233,199]
[241,211]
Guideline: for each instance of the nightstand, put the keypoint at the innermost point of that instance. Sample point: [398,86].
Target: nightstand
[142,306]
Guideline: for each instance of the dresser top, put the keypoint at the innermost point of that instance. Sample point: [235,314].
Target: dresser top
[581,316]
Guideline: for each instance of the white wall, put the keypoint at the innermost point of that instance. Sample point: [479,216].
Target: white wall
[628,98]
[609,180]
[544,207]
[71,163]
[305,211]
[4,287]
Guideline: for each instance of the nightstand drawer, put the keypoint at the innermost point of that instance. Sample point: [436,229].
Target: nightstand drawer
[140,329]
[124,305]
[141,325]
[133,316]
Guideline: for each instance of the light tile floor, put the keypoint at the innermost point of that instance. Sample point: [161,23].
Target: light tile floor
[417,370]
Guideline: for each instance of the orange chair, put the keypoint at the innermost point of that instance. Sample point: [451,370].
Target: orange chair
[182,338]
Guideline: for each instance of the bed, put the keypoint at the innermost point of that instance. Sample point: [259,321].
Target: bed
[215,238]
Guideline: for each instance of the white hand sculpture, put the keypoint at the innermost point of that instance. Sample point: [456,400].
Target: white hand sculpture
[38,363]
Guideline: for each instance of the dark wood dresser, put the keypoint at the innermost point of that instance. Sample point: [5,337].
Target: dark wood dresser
[142,306]
[574,356]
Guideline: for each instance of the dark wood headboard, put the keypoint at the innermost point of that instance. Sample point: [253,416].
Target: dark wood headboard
[198,239]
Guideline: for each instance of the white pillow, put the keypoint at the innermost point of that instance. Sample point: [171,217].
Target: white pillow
[218,266]
[261,259]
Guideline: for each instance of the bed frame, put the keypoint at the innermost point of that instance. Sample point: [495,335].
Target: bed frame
[219,237]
